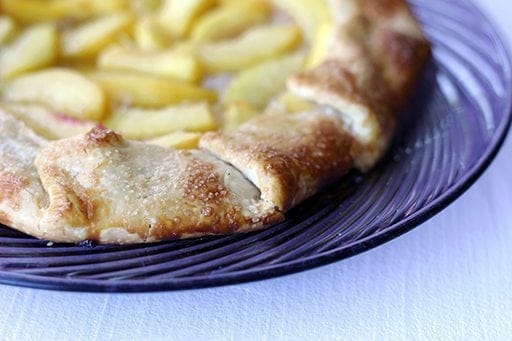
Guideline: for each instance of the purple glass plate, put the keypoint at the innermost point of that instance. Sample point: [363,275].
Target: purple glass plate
[455,125]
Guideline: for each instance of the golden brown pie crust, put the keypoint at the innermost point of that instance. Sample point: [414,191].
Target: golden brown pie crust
[101,187]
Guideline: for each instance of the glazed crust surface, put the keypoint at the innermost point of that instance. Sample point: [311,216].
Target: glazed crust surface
[374,57]
[117,191]
[290,157]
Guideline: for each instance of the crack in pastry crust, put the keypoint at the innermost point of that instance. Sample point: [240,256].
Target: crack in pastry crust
[289,158]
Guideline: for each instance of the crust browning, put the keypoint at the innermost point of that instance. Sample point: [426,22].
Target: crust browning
[288,158]
[10,187]
[103,185]
[376,53]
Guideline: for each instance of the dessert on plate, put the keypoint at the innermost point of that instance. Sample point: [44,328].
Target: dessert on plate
[145,120]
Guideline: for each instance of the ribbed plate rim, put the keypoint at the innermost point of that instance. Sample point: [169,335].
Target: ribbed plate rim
[362,245]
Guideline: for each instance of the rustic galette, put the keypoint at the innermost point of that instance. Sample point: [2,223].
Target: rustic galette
[128,121]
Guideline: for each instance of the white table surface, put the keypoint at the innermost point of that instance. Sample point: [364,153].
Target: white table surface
[449,279]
